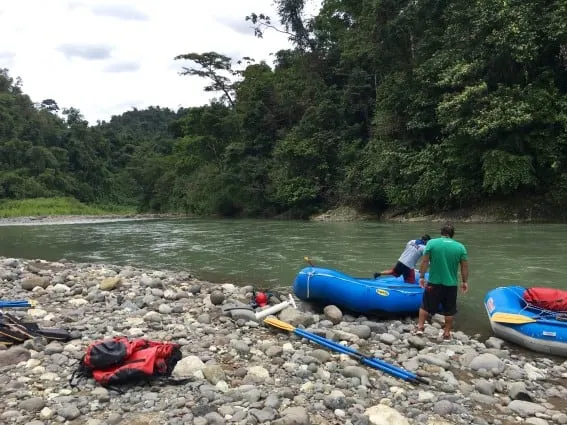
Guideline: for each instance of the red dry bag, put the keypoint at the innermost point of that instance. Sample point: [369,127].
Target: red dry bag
[547,298]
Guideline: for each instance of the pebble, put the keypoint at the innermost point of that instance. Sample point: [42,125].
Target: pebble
[242,372]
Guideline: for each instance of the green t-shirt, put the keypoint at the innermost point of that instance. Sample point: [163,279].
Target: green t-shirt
[445,255]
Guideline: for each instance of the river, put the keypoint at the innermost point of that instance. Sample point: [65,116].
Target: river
[268,253]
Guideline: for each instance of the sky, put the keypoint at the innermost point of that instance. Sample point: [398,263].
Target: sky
[106,57]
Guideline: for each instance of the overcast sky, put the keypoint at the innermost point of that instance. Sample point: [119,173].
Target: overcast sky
[105,57]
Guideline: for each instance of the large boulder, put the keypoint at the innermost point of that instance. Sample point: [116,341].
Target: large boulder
[296,317]
[333,313]
[14,355]
[487,361]
[381,414]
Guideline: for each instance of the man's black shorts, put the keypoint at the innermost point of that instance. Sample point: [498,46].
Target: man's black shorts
[400,269]
[440,299]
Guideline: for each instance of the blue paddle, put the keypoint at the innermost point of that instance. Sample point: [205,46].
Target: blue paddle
[393,370]
[370,361]
[15,304]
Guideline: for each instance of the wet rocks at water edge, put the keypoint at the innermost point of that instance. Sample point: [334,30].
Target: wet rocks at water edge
[243,372]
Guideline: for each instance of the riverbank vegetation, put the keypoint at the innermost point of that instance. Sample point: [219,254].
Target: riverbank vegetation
[409,106]
[56,207]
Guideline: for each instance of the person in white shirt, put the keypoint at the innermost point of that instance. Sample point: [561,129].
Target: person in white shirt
[405,266]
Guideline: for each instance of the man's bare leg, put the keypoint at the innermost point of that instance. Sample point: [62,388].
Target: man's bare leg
[388,272]
[421,321]
[448,327]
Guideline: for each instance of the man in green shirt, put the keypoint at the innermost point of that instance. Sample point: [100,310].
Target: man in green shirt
[443,256]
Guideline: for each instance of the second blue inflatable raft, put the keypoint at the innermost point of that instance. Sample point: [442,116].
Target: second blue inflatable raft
[537,329]
[386,294]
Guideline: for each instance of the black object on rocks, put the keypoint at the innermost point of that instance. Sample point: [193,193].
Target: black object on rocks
[16,331]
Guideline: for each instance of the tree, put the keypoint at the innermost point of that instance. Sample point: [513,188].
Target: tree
[399,104]
[49,105]
[216,67]
[292,18]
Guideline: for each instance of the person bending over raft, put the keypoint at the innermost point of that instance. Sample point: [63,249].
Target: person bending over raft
[406,263]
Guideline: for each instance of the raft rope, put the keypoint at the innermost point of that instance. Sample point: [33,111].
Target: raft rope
[352,281]
[542,312]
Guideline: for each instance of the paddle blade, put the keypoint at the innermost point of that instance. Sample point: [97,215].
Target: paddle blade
[309,261]
[279,324]
[517,319]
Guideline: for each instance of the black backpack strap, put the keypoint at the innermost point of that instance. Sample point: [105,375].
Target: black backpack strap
[82,371]
[175,381]
[113,388]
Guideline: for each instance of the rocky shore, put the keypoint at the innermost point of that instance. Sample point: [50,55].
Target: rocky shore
[244,372]
[490,212]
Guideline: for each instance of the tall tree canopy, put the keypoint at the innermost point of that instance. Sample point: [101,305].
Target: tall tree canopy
[379,104]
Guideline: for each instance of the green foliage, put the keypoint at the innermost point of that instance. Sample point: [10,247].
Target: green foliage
[296,176]
[56,206]
[209,193]
[505,172]
[379,104]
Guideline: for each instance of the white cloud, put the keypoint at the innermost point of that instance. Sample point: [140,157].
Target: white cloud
[85,51]
[105,57]
[120,11]
[122,66]
[7,59]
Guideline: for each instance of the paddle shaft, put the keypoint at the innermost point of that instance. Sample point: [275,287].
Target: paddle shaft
[373,362]
[8,304]
[376,363]
[370,362]
[14,301]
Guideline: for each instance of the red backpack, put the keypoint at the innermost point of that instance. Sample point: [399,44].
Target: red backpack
[121,361]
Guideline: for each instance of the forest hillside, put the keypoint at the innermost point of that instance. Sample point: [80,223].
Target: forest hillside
[425,105]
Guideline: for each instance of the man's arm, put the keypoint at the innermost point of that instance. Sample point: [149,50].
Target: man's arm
[465,275]
[424,265]
[465,271]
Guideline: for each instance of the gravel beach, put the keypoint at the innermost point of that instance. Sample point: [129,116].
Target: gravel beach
[244,372]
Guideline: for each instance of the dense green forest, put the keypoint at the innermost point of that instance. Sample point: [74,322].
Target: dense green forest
[428,104]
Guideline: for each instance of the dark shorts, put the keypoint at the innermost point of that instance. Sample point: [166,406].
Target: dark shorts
[440,299]
[400,269]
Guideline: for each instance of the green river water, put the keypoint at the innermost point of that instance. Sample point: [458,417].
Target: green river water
[269,253]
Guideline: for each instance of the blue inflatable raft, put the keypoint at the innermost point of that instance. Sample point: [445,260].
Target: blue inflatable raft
[387,294]
[513,319]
